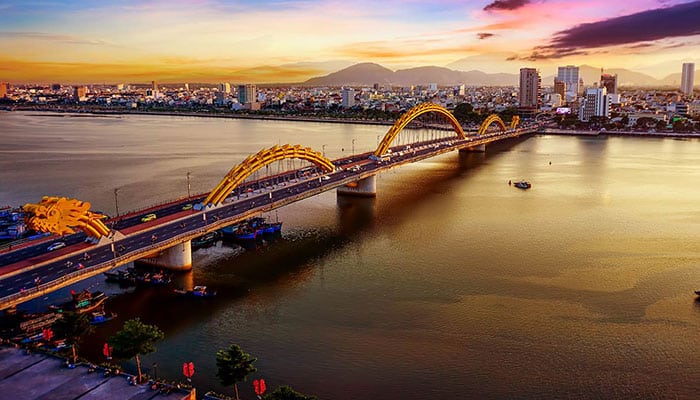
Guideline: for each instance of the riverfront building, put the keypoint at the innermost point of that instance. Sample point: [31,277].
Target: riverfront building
[688,78]
[247,93]
[530,90]
[609,82]
[3,89]
[570,76]
[595,104]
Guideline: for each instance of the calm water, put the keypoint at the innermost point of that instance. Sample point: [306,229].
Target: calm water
[450,284]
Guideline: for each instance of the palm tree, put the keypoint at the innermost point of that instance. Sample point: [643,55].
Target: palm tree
[234,366]
[72,326]
[134,339]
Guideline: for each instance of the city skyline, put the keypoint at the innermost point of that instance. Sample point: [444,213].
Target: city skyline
[291,41]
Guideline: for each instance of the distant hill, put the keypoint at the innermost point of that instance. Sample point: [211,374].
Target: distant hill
[367,74]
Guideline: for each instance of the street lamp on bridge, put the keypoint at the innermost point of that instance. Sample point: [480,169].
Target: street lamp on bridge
[323,150]
[188,185]
[116,202]
[353,147]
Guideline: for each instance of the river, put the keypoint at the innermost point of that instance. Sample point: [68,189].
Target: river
[450,284]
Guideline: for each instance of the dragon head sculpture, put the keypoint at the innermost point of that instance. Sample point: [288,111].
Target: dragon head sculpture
[61,216]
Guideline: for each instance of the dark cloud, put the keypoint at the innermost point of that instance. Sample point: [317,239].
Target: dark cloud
[506,5]
[675,21]
[484,35]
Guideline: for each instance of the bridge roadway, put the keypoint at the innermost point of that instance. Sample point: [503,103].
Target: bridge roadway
[173,225]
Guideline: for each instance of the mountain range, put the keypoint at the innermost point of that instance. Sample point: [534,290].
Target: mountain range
[367,74]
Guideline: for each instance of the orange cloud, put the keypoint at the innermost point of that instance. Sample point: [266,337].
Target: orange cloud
[19,71]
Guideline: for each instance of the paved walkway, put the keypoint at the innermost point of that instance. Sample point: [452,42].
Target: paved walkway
[38,376]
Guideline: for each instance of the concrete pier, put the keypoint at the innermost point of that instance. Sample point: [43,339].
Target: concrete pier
[366,187]
[176,258]
[474,149]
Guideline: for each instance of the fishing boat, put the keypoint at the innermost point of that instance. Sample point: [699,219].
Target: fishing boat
[100,317]
[197,291]
[154,279]
[121,277]
[522,185]
[82,302]
[206,240]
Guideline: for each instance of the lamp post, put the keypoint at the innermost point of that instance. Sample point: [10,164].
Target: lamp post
[188,185]
[116,202]
[323,150]
[353,147]
[155,371]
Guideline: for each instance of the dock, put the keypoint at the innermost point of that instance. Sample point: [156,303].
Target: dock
[35,376]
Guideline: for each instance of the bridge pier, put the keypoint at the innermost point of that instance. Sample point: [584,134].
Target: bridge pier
[177,258]
[366,187]
[474,149]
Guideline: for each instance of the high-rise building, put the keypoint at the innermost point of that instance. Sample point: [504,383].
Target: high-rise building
[4,87]
[560,88]
[609,82]
[530,89]
[688,78]
[595,104]
[569,75]
[225,87]
[348,95]
[80,93]
[154,85]
[247,93]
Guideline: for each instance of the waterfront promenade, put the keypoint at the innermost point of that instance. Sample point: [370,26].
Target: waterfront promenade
[34,376]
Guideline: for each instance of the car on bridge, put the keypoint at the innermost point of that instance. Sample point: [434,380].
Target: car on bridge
[148,217]
[187,206]
[56,246]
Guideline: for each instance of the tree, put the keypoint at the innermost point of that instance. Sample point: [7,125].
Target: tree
[464,113]
[287,393]
[234,365]
[134,339]
[72,326]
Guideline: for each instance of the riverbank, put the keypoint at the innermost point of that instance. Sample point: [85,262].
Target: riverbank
[286,118]
[34,375]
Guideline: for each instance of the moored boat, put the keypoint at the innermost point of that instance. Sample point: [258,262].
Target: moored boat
[197,291]
[522,185]
[100,317]
[82,302]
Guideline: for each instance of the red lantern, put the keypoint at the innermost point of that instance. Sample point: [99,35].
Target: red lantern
[188,369]
[47,334]
[107,351]
[259,386]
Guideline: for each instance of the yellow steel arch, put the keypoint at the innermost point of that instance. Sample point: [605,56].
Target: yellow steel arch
[264,157]
[514,122]
[490,120]
[409,116]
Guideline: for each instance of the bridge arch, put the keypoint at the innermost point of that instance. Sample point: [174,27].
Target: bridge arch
[254,162]
[409,116]
[493,118]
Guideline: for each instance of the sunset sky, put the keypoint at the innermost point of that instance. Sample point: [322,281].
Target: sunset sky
[292,40]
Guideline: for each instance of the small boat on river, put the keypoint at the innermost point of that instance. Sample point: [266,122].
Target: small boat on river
[100,317]
[82,302]
[197,291]
[522,185]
